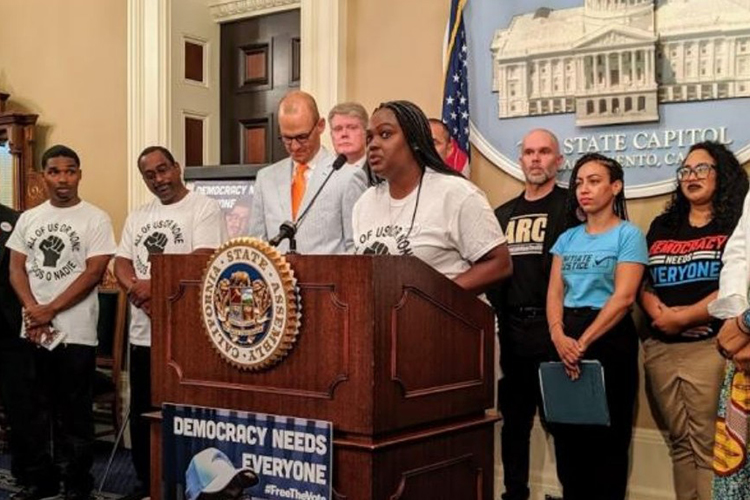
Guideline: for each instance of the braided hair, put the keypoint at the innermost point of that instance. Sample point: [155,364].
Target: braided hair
[416,129]
[573,211]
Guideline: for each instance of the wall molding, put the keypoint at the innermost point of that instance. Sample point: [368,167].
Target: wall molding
[206,119]
[223,11]
[323,31]
[149,90]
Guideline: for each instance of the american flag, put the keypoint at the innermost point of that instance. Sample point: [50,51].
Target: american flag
[456,89]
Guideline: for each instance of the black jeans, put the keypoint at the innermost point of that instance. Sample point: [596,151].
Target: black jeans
[64,380]
[140,403]
[593,460]
[524,343]
[17,376]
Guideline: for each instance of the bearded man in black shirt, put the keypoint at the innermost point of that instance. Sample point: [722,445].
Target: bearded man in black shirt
[532,222]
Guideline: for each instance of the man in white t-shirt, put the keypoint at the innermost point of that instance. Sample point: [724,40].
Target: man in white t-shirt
[59,252]
[179,221]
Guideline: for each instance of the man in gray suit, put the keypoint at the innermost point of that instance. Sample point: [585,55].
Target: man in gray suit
[285,189]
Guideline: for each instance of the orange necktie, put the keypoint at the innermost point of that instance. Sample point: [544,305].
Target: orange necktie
[299,184]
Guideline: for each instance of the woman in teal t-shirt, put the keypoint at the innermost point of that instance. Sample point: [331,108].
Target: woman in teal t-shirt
[596,272]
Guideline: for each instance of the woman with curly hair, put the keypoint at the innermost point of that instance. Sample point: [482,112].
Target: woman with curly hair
[683,369]
[597,267]
[419,206]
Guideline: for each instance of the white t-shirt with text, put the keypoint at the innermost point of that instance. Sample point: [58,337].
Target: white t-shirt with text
[192,223]
[57,242]
[454,224]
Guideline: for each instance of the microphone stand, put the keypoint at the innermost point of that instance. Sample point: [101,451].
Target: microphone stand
[288,229]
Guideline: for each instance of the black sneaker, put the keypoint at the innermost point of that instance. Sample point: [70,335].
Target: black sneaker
[36,492]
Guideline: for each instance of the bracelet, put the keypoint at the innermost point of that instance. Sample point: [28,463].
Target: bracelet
[740,326]
[723,352]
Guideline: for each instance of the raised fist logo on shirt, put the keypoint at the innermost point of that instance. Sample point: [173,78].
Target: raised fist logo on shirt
[52,247]
[155,243]
[377,248]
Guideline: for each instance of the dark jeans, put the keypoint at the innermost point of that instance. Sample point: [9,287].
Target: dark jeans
[64,381]
[140,403]
[593,460]
[524,343]
[17,375]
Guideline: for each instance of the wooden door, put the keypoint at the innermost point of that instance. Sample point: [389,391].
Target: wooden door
[260,62]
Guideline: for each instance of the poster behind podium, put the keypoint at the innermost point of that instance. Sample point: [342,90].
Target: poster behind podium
[235,197]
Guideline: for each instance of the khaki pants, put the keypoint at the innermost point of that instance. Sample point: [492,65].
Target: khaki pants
[685,380]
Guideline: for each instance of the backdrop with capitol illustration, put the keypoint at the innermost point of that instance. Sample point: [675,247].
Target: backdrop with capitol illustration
[640,81]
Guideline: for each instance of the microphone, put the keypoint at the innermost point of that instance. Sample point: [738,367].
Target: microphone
[288,229]
[339,162]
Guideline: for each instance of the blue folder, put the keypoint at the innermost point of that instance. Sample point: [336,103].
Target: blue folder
[581,401]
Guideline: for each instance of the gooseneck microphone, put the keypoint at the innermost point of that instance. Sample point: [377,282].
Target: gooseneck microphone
[288,229]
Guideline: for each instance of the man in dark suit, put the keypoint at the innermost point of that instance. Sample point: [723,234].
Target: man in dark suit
[16,363]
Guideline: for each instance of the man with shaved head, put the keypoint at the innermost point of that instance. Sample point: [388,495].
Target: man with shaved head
[285,189]
[532,222]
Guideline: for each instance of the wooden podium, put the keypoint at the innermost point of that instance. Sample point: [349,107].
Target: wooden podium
[397,356]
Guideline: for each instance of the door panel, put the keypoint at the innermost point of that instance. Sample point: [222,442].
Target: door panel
[259,64]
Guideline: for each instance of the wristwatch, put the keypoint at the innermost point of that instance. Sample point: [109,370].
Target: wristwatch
[744,322]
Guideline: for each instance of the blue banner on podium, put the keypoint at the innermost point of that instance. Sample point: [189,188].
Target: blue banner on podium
[211,453]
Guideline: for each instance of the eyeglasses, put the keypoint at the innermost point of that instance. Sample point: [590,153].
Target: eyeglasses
[159,171]
[701,171]
[301,139]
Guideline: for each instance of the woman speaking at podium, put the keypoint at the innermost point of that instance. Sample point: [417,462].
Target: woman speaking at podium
[597,267]
[418,206]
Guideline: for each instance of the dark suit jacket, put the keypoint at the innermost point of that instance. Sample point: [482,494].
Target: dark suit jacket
[10,308]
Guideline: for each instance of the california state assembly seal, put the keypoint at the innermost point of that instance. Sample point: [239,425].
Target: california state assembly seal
[250,304]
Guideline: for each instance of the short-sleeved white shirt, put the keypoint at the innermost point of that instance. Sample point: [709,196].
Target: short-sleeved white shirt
[192,223]
[454,225]
[56,242]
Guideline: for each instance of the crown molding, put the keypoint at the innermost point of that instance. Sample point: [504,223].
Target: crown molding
[223,11]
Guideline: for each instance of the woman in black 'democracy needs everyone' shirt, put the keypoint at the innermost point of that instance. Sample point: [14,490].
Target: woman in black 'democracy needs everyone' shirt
[683,368]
